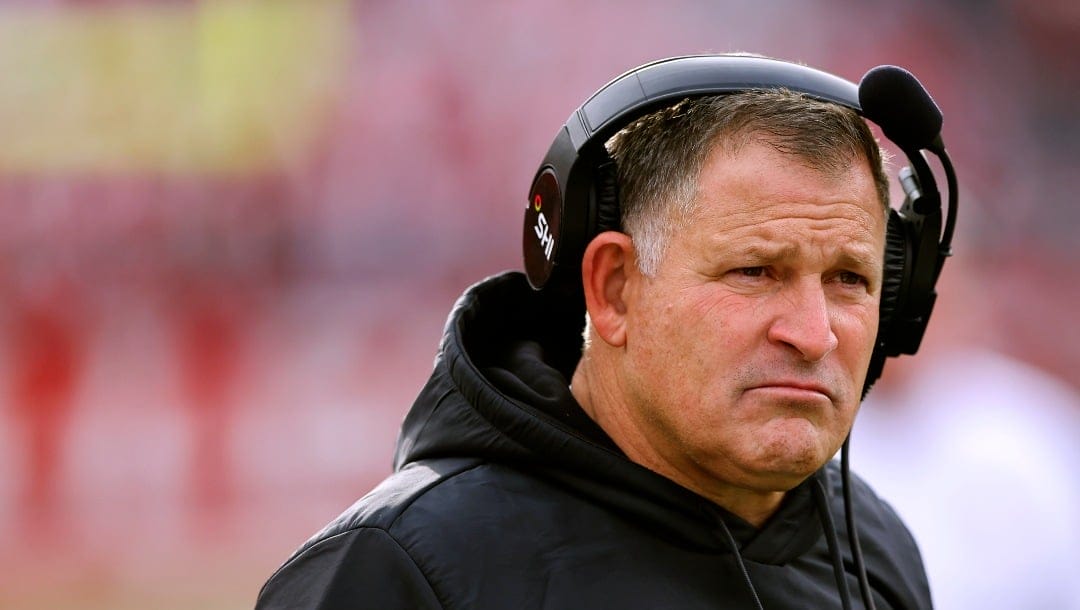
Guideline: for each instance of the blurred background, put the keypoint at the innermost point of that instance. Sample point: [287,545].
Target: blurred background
[230,232]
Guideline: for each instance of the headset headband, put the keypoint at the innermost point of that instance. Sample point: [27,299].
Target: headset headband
[664,82]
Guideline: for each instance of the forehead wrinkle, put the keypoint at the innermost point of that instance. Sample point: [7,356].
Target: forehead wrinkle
[748,207]
[767,247]
[748,225]
[823,215]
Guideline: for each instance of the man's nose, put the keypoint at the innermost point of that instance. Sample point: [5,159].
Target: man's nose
[803,320]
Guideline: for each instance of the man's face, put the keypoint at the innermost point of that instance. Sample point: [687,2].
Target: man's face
[746,352]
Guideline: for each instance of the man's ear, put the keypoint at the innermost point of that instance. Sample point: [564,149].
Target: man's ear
[605,268]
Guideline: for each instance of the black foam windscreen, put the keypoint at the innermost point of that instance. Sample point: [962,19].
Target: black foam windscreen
[894,99]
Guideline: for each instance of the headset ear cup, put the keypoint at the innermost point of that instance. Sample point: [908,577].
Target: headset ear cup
[607,199]
[893,286]
[896,267]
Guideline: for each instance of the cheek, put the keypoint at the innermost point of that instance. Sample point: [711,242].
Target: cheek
[856,330]
[662,354]
[685,334]
[688,349]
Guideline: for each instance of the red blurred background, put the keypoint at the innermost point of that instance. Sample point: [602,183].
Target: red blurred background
[230,232]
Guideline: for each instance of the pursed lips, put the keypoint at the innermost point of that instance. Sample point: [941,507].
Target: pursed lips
[794,386]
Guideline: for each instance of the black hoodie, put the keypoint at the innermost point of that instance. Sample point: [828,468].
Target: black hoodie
[506,495]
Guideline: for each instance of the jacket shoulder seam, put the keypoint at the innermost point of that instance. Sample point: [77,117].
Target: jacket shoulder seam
[405,507]
[405,551]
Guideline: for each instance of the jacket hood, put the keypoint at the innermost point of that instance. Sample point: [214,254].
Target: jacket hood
[500,392]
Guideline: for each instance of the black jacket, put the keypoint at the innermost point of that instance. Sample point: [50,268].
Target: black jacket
[506,495]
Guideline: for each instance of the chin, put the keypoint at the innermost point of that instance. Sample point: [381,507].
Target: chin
[793,455]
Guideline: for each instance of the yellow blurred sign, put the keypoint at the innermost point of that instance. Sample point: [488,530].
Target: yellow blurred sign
[220,86]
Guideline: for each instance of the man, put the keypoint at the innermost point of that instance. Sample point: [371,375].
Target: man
[679,458]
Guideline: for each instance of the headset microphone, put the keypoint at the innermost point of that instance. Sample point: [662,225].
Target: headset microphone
[894,99]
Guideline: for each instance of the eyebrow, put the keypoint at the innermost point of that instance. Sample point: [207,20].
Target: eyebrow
[847,255]
[771,251]
[853,259]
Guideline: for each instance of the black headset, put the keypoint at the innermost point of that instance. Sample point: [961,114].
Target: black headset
[574,195]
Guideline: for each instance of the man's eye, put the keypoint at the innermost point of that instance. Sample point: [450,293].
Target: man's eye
[752,271]
[851,278]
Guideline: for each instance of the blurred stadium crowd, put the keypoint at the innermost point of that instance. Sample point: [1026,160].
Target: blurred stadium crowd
[230,232]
